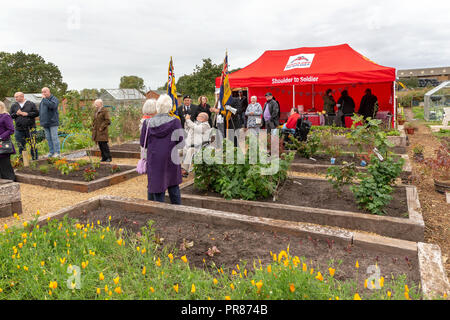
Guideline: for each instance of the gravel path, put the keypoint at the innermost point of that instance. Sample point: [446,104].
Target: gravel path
[435,209]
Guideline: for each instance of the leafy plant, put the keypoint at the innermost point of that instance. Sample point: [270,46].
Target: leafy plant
[44,169]
[115,168]
[339,176]
[242,181]
[89,174]
[440,165]
[306,149]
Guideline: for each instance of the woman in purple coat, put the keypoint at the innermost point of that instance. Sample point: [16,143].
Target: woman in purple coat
[163,162]
[6,130]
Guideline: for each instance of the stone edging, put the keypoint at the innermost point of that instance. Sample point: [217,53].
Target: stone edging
[411,228]
[79,186]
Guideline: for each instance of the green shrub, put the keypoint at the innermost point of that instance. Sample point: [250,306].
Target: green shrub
[44,169]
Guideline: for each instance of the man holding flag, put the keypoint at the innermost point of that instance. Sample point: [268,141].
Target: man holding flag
[230,111]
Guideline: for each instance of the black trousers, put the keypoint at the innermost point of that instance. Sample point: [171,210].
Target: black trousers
[104,149]
[6,170]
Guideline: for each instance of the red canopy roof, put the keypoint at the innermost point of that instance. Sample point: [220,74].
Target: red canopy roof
[320,65]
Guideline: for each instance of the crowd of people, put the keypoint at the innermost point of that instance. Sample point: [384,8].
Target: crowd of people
[164,167]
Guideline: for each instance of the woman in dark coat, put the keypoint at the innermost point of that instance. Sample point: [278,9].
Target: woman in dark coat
[100,129]
[6,130]
[203,106]
[163,161]
[346,105]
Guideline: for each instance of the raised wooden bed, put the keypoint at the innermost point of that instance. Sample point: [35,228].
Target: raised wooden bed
[126,173]
[10,198]
[125,150]
[408,228]
[424,261]
[322,168]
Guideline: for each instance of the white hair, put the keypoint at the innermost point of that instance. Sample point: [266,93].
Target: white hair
[164,104]
[256,98]
[2,108]
[149,107]
[98,101]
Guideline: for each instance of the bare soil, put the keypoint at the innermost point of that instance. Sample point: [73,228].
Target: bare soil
[320,194]
[245,244]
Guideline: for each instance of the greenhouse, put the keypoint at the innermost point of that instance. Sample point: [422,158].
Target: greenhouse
[435,101]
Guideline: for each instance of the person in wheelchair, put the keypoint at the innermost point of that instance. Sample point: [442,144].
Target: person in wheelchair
[302,128]
[197,137]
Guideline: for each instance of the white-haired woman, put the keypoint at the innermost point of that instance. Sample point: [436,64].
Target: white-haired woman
[253,113]
[148,111]
[100,129]
[163,165]
[6,130]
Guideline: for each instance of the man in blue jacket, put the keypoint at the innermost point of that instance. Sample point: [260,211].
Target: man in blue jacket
[49,119]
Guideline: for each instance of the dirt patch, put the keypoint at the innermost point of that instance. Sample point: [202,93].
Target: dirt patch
[245,244]
[104,170]
[320,194]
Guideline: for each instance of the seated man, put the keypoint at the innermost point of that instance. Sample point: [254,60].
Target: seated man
[291,122]
[198,133]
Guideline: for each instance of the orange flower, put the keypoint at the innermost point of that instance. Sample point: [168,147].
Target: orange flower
[227,298]
[319,276]
[292,287]
[118,290]
[356,297]
[184,259]
[175,287]
[331,271]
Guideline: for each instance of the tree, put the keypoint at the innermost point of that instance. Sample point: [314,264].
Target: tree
[28,73]
[202,80]
[89,94]
[132,82]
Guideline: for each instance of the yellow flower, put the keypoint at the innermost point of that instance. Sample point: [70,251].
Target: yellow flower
[20,245]
[152,290]
[193,288]
[144,270]
[116,280]
[53,285]
[215,281]
[98,291]
[406,288]
[107,229]
[311,271]
[170,257]
[158,262]
[227,298]
[407,295]
[34,244]
[356,297]
[62,260]
[304,267]
[102,236]
[337,298]
[138,249]
[357,264]
[245,272]
[233,272]
[38,213]
[118,290]
[282,254]
[274,257]
[101,276]
[291,287]
[175,287]
[253,282]
[98,221]
[319,276]
[184,259]
[143,250]
[42,263]
[50,292]
[365,283]
[258,285]
[381,282]
[1,290]
[25,268]
[84,264]
[331,271]
[120,241]
[106,288]
[232,286]
[110,293]
[389,294]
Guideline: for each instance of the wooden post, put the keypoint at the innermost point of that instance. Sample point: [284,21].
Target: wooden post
[26,158]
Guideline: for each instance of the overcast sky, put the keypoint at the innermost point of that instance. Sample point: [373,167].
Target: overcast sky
[95,42]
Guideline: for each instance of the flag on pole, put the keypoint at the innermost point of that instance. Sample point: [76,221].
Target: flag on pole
[172,90]
[225,90]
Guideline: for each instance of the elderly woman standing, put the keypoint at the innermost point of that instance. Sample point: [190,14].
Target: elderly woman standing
[163,165]
[253,113]
[6,130]
[148,111]
[100,129]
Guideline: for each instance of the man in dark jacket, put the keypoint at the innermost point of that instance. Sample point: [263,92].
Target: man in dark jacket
[49,119]
[24,113]
[187,108]
[367,106]
[270,119]
[346,107]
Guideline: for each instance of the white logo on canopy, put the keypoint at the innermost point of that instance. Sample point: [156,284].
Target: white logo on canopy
[302,60]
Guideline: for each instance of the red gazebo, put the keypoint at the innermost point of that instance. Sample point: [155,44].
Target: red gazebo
[301,76]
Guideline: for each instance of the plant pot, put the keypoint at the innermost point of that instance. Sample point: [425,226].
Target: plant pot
[409,130]
[442,186]
[401,121]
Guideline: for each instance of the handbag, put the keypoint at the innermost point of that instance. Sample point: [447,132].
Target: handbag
[6,146]
[142,163]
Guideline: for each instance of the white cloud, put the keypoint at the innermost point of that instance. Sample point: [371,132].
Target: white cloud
[109,39]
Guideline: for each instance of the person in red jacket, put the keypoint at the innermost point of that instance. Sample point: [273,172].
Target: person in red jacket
[291,122]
